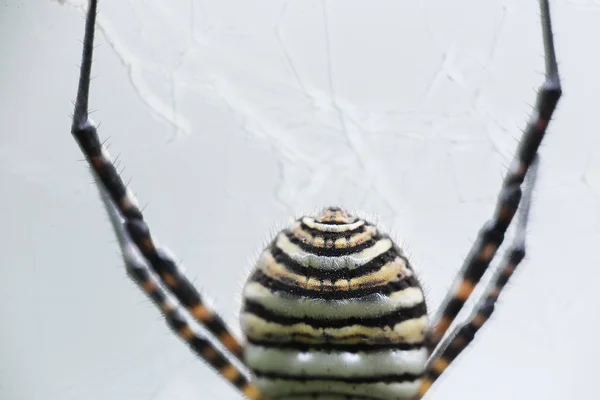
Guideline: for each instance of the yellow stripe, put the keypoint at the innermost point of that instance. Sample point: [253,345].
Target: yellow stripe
[168,307]
[439,365]
[464,290]
[425,386]
[169,279]
[393,271]
[209,353]
[440,329]
[186,333]
[201,313]
[361,238]
[341,243]
[479,320]
[251,392]
[488,252]
[319,241]
[352,261]
[339,216]
[149,286]
[230,372]
[230,342]
[410,331]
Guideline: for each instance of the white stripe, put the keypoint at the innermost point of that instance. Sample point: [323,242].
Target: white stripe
[284,389]
[350,261]
[374,305]
[311,223]
[337,364]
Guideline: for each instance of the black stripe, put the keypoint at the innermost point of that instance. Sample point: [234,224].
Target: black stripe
[453,307]
[289,286]
[177,321]
[281,257]
[332,252]
[351,221]
[396,378]
[326,395]
[431,374]
[240,381]
[333,235]
[337,347]
[389,319]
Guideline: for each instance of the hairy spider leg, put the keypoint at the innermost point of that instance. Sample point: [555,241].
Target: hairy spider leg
[491,236]
[462,334]
[176,316]
[136,233]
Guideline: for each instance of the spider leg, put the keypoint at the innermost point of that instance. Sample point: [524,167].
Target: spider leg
[462,335]
[136,232]
[491,235]
[175,315]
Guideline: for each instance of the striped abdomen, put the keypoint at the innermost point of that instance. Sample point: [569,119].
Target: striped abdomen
[333,310]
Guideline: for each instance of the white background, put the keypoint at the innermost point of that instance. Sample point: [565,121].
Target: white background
[232,116]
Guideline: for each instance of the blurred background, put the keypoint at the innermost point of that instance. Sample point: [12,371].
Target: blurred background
[231,117]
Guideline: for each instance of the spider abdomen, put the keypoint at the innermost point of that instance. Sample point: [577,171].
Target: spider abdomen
[333,308]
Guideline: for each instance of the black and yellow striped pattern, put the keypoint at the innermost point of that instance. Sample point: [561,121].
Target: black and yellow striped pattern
[464,333]
[176,316]
[333,308]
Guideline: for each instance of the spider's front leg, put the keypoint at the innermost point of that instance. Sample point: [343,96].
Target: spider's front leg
[492,234]
[147,264]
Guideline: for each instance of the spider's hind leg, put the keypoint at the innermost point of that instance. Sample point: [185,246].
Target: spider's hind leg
[492,234]
[149,265]
[462,335]
[176,316]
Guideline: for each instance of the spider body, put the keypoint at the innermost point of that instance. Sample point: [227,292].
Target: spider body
[333,307]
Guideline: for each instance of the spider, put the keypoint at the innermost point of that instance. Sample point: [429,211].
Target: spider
[333,308]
